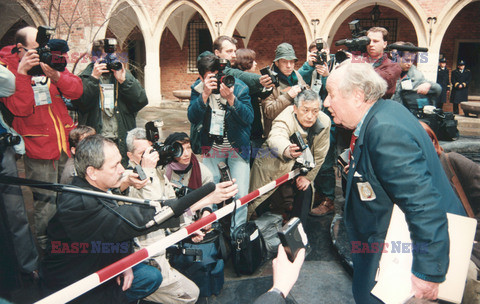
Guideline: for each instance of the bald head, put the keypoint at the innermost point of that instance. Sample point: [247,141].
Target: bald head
[25,38]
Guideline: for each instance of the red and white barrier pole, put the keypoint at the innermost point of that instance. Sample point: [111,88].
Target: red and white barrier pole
[80,287]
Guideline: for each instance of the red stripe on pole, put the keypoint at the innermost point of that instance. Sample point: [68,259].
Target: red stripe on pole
[282,179]
[121,265]
[200,223]
[252,195]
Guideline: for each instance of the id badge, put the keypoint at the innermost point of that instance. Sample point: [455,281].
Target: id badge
[366,191]
[41,93]
[407,85]
[216,125]
[108,95]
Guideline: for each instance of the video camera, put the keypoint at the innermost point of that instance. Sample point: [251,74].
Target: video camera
[273,76]
[358,42]
[110,46]
[228,80]
[305,162]
[321,57]
[167,153]
[55,61]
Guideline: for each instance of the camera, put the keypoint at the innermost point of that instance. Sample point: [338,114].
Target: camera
[7,139]
[358,42]
[321,57]
[55,60]
[304,162]
[228,80]
[267,71]
[182,191]
[294,238]
[167,153]
[109,46]
[225,176]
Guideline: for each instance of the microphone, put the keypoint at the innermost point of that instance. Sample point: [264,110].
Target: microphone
[176,207]
[406,48]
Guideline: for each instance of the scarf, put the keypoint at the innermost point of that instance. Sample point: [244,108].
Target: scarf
[195,180]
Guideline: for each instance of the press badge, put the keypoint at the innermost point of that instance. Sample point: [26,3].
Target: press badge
[41,92]
[217,122]
[407,84]
[108,95]
[366,191]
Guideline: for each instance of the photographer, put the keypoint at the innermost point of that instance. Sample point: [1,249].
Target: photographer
[112,97]
[19,254]
[316,74]
[40,117]
[314,126]
[412,79]
[226,118]
[175,287]
[225,48]
[387,69]
[290,83]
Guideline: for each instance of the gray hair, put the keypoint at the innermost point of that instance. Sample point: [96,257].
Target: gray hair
[360,76]
[89,152]
[306,95]
[135,134]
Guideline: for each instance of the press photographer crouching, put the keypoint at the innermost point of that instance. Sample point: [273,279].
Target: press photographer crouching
[175,288]
[313,126]
[88,233]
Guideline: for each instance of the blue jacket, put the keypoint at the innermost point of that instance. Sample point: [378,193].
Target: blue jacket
[394,154]
[238,118]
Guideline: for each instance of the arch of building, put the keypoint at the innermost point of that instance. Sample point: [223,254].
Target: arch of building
[247,14]
[14,11]
[444,20]
[175,15]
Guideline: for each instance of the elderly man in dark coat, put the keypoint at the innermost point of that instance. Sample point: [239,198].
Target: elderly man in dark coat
[392,162]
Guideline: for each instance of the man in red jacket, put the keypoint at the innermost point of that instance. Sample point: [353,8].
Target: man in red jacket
[41,118]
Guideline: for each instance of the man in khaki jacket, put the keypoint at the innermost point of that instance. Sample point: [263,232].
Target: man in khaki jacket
[290,84]
[278,155]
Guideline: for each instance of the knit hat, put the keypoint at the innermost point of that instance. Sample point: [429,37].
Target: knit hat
[58,45]
[285,51]
[174,137]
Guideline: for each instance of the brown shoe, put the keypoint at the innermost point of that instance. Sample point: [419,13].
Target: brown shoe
[325,207]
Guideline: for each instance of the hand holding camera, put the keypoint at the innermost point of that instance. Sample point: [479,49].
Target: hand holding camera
[150,158]
[292,151]
[28,61]
[51,73]
[99,69]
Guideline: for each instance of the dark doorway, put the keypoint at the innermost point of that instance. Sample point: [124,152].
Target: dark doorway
[470,52]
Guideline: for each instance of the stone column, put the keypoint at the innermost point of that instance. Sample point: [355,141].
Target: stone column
[152,72]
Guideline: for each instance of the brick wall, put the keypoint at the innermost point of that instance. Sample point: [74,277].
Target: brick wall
[466,25]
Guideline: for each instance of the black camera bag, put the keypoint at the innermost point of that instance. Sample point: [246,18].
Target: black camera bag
[248,248]
[443,124]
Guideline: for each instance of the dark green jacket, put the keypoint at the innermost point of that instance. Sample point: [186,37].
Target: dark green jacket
[252,80]
[130,98]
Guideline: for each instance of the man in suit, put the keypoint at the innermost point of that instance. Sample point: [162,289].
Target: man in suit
[392,162]
[461,78]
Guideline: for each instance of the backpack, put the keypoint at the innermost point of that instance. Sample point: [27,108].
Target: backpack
[207,274]
[248,248]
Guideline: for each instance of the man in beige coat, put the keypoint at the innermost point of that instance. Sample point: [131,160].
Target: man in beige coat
[290,83]
[278,155]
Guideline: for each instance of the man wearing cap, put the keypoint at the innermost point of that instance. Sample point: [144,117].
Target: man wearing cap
[443,80]
[461,78]
[41,117]
[291,83]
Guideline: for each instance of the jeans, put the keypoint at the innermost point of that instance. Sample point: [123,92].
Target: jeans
[146,279]
[239,169]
